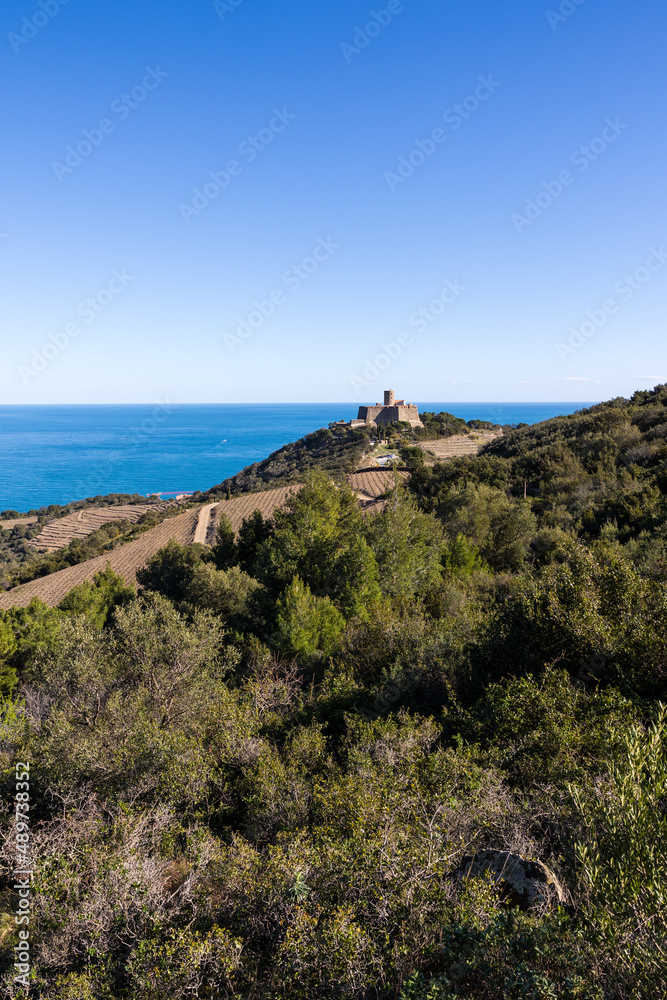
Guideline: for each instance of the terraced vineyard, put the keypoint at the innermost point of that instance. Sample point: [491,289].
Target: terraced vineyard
[125,561]
[241,507]
[458,444]
[373,482]
[82,523]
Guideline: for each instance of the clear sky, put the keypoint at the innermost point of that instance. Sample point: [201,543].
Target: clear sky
[465,201]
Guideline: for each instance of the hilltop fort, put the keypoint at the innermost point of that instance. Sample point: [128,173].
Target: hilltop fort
[388,413]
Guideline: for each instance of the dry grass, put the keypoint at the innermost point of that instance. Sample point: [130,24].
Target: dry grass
[17,520]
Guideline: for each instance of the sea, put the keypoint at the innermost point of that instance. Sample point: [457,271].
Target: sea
[53,454]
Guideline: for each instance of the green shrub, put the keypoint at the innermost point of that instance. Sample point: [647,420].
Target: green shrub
[622,854]
[97,600]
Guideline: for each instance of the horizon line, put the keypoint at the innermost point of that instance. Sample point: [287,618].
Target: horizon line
[325,402]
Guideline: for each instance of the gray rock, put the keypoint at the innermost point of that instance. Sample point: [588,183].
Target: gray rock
[525,884]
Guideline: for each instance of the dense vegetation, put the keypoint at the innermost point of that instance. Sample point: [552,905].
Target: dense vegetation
[258,778]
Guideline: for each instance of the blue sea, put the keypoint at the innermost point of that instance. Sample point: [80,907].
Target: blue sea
[55,454]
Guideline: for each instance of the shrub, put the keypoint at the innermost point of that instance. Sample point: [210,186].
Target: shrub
[99,599]
[622,853]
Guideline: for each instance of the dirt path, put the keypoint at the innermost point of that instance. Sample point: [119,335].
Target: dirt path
[203,523]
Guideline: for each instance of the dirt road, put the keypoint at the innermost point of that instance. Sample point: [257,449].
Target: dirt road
[202,525]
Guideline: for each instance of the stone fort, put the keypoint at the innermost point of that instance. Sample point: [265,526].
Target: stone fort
[393,409]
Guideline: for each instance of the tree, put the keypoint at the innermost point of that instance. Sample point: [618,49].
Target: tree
[407,545]
[501,527]
[591,610]
[307,624]
[99,599]
[319,538]
[8,675]
[413,457]
[254,531]
[227,593]
[461,556]
[171,570]
[29,633]
[225,553]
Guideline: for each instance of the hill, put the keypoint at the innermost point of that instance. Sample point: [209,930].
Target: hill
[126,559]
[337,450]
[63,530]
[400,746]
[57,526]
[602,470]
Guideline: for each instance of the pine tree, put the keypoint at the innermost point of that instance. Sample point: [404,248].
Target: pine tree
[225,554]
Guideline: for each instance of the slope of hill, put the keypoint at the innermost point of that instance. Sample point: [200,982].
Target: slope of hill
[125,560]
[337,450]
[600,469]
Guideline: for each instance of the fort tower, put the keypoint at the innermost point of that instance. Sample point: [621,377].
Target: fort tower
[392,411]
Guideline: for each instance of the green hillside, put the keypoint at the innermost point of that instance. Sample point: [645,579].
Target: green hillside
[599,473]
[336,450]
[416,754]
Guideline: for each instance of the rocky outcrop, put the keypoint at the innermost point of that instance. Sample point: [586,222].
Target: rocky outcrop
[523,883]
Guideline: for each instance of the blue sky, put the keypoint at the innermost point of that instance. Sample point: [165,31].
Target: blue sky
[465,201]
